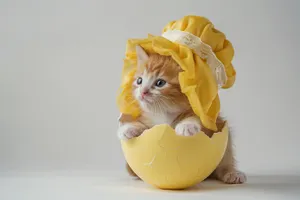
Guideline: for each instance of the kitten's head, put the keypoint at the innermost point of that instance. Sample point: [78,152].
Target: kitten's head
[156,86]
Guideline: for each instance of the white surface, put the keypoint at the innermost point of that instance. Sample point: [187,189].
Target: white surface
[112,185]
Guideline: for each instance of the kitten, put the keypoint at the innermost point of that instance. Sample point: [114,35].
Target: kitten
[156,88]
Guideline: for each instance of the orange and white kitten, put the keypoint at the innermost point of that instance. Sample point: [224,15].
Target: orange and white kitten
[156,88]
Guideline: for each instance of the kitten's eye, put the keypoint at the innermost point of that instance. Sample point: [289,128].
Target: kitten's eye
[139,81]
[160,83]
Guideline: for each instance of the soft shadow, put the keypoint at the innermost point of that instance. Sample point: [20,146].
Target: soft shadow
[274,183]
[282,185]
[205,186]
[210,185]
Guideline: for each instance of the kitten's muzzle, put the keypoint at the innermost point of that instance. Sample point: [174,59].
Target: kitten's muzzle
[144,93]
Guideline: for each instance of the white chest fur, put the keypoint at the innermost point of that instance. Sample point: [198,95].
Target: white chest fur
[152,119]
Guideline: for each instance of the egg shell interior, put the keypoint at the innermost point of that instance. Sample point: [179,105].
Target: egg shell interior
[166,160]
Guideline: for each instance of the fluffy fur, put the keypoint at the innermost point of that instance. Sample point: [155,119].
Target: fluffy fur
[156,87]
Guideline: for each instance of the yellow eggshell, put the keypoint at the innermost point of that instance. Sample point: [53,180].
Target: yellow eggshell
[169,161]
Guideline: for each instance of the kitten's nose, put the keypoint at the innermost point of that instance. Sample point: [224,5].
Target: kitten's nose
[144,93]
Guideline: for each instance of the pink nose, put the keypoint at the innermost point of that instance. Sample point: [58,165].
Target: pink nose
[144,93]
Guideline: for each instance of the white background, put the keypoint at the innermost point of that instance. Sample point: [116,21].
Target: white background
[60,68]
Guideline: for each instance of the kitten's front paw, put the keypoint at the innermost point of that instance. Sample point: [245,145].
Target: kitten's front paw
[187,128]
[126,132]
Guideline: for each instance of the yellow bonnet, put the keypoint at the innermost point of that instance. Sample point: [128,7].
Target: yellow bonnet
[203,53]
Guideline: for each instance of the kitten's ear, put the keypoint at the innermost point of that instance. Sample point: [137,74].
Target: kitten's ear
[142,56]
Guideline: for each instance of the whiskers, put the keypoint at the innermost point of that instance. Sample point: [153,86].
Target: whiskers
[162,104]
